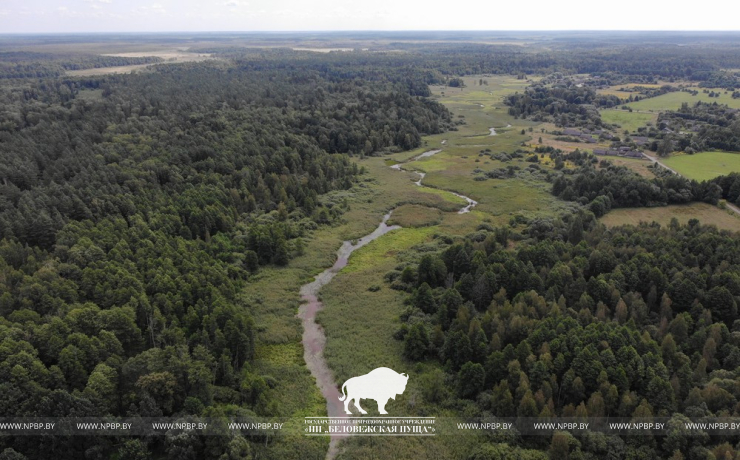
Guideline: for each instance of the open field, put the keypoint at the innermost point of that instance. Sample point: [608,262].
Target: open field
[673,101]
[170,56]
[704,165]
[548,139]
[637,165]
[107,70]
[706,213]
[628,120]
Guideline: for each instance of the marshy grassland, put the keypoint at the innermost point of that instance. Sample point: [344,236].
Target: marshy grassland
[361,313]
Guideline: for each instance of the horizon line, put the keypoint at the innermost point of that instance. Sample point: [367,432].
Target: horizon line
[693,31]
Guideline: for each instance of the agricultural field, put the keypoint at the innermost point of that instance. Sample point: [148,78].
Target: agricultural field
[707,214]
[629,121]
[704,165]
[673,101]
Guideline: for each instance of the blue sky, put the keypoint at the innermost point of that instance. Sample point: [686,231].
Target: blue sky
[39,16]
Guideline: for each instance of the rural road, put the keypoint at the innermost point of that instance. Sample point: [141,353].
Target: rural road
[655,160]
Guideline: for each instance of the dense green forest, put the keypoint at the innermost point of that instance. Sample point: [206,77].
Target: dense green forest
[581,321]
[133,210]
[619,62]
[562,104]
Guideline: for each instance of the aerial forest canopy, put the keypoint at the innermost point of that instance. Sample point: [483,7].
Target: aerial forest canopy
[578,321]
[137,211]
[134,208]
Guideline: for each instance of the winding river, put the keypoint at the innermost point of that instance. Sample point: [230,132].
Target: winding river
[471,202]
[314,339]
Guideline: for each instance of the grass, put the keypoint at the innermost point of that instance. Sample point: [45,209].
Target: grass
[90,94]
[272,295]
[361,312]
[359,324]
[549,138]
[707,214]
[635,164]
[704,165]
[673,101]
[360,321]
[627,120]
[412,216]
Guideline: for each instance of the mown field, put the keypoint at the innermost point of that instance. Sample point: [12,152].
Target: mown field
[704,165]
[673,101]
[707,214]
[629,121]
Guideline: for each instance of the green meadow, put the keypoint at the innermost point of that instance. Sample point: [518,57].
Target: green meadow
[704,165]
[673,101]
[706,213]
[638,165]
[627,120]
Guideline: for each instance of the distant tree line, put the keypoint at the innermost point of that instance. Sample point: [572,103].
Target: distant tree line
[24,64]
[635,62]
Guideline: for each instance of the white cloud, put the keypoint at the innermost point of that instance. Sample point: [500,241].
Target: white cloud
[154,8]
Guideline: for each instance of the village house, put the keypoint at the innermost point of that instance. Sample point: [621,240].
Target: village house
[587,138]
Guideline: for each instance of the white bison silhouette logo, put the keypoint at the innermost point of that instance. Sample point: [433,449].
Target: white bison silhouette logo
[380,384]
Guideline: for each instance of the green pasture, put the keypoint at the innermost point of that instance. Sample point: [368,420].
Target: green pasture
[673,101]
[704,165]
[627,120]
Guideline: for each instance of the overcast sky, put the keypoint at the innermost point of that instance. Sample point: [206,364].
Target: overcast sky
[40,16]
